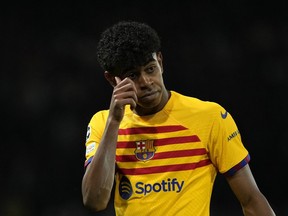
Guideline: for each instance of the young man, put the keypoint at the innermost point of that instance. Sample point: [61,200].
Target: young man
[162,149]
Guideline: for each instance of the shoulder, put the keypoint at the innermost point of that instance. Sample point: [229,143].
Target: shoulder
[195,103]
[99,116]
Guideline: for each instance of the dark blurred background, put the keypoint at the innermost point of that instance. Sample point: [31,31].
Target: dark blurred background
[231,52]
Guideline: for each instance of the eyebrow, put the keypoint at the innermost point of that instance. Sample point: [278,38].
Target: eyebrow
[135,68]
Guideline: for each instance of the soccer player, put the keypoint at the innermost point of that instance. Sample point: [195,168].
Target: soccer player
[162,149]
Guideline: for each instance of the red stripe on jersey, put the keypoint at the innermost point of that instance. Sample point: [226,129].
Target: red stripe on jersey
[151,130]
[167,168]
[161,142]
[164,155]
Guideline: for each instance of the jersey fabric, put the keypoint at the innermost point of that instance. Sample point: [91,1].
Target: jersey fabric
[167,162]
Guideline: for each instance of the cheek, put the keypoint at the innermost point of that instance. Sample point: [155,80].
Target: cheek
[159,80]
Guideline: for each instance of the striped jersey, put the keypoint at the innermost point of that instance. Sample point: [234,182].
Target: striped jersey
[167,162]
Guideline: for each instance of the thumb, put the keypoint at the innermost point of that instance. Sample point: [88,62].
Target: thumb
[118,80]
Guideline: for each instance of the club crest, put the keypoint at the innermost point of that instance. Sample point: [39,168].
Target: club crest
[145,150]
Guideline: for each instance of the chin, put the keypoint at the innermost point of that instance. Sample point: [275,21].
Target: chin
[150,105]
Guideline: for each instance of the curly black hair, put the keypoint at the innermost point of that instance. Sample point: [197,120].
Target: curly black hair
[126,45]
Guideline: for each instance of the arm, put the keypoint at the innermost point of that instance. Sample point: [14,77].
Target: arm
[253,202]
[98,179]
[97,182]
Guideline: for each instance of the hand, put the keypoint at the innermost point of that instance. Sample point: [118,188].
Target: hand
[124,93]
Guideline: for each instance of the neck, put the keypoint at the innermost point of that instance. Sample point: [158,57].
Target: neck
[142,111]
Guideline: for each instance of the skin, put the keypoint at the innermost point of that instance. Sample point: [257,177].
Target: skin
[143,89]
[252,201]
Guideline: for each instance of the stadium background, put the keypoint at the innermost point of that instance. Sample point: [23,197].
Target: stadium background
[231,52]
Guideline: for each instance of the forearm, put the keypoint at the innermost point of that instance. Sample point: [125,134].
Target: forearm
[258,206]
[99,177]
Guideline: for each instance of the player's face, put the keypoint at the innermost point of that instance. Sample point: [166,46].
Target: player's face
[151,92]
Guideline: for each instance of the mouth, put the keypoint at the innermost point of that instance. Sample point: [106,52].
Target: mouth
[147,95]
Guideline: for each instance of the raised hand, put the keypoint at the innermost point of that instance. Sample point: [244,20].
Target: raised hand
[124,93]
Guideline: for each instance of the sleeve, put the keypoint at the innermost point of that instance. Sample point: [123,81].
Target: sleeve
[93,136]
[227,151]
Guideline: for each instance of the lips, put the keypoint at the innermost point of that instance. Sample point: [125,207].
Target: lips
[147,95]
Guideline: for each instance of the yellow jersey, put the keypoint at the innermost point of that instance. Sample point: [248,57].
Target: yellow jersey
[167,162]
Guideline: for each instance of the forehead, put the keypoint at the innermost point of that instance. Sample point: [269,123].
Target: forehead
[150,58]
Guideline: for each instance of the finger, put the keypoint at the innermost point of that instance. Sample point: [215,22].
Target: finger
[117,79]
[126,84]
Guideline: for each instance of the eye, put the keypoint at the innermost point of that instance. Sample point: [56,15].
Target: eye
[132,75]
[150,69]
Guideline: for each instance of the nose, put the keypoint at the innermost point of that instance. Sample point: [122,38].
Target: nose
[144,79]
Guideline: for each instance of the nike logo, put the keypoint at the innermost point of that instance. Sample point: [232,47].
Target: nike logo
[224,115]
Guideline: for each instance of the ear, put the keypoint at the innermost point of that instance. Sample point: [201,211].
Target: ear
[160,60]
[110,78]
